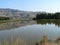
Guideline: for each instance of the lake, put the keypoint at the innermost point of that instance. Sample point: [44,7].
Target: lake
[28,32]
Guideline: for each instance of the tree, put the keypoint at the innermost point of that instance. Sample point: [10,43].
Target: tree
[48,16]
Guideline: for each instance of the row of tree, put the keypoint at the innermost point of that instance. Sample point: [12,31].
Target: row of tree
[4,18]
[48,16]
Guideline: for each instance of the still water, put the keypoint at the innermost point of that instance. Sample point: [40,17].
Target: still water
[28,32]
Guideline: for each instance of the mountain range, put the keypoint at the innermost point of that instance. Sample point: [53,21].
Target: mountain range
[17,13]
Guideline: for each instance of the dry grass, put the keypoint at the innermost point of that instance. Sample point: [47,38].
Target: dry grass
[13,41]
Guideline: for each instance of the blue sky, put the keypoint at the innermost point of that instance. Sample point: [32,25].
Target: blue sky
[32,5]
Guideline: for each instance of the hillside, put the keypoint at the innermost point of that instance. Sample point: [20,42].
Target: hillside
[16,13]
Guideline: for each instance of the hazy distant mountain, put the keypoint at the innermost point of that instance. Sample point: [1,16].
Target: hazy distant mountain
[17,13]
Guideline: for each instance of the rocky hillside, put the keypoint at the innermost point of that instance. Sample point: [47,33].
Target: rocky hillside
[16,13]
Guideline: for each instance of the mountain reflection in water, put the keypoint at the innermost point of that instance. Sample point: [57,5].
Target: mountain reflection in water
[15,24]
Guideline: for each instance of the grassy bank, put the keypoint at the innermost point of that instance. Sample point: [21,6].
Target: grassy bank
[12,20]
[4,21]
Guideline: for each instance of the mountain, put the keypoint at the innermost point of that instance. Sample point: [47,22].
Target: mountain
[17,13]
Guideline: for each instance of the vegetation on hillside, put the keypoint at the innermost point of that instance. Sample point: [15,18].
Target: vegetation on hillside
[48,16]
[4,18]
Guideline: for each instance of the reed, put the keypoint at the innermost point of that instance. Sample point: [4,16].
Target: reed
[13,41]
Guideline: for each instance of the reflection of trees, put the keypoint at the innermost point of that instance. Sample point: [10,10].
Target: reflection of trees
[45,21]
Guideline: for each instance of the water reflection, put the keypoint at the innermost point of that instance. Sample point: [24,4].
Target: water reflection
[15,24]
[28,32]
[51,21]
